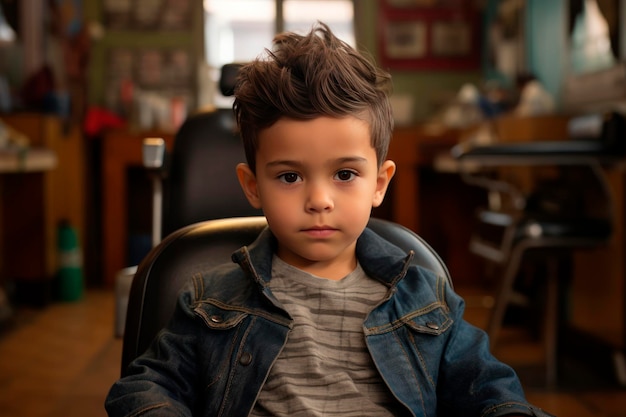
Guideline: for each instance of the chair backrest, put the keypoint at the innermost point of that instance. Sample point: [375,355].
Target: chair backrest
[200,246]
[206,149]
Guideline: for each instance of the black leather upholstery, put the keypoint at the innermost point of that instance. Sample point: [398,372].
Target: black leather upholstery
[203,245]
[202,183]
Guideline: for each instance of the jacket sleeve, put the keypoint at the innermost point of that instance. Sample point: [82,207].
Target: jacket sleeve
[483,385]
[162,380]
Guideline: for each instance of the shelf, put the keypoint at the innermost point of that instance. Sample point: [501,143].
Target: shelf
[27,160]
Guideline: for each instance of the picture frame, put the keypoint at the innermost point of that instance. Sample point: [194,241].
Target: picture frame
[405,39]
[428,35]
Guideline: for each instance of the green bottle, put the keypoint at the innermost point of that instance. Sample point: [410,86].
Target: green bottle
[70,273]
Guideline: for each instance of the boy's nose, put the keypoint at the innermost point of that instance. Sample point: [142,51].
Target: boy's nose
[319,199]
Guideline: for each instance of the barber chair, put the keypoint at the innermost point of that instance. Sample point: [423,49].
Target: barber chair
[195,182]
[198,247]
[568,210]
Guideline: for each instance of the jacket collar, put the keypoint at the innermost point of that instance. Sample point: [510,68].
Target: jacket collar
[379,258]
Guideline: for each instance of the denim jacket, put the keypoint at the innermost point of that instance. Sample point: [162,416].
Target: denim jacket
[228,329]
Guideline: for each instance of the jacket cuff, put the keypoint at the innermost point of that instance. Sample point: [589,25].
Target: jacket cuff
[515,408]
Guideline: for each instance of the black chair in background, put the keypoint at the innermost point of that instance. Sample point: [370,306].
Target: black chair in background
[538,230]
[200,246]
[195,182]
[198,180]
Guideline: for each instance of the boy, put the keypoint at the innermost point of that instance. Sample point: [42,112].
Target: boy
[321,316]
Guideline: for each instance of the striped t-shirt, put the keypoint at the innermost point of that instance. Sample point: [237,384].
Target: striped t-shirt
[325,368]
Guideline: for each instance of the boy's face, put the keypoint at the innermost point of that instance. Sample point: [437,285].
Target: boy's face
[317,182]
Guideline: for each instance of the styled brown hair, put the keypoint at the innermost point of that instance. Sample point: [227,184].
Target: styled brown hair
[305,77]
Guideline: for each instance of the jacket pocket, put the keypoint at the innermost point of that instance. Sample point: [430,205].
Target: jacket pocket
[433,319]
[434,322]
[219,318]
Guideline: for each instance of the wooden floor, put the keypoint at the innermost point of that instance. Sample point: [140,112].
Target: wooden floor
[61,361]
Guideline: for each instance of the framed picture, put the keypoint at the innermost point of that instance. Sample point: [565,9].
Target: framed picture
[429,34]
[405,40]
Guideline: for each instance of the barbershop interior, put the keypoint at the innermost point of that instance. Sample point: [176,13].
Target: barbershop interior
[118,148]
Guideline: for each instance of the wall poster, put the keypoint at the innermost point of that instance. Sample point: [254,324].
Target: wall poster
[429,34]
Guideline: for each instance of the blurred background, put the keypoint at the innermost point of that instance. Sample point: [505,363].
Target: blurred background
[83,82]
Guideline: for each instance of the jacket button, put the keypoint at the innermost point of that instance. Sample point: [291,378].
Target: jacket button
[245,359]
[432,326]
[216,318]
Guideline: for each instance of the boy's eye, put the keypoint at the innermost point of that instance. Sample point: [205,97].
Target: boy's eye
[345,175]
[289,177]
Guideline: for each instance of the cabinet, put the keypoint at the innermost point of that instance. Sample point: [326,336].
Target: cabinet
[33,203]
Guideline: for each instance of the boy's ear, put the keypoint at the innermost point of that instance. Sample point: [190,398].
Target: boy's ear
[248,183]
[385,173]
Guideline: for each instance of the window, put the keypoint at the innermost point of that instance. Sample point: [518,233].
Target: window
[239,30]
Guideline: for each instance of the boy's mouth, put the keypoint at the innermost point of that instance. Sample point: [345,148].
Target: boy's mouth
[320,231]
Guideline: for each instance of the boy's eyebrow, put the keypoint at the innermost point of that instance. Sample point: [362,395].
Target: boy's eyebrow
[357,159]
[343,160]
[281,162]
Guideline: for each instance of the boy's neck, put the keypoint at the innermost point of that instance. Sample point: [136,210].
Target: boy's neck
[335,269]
